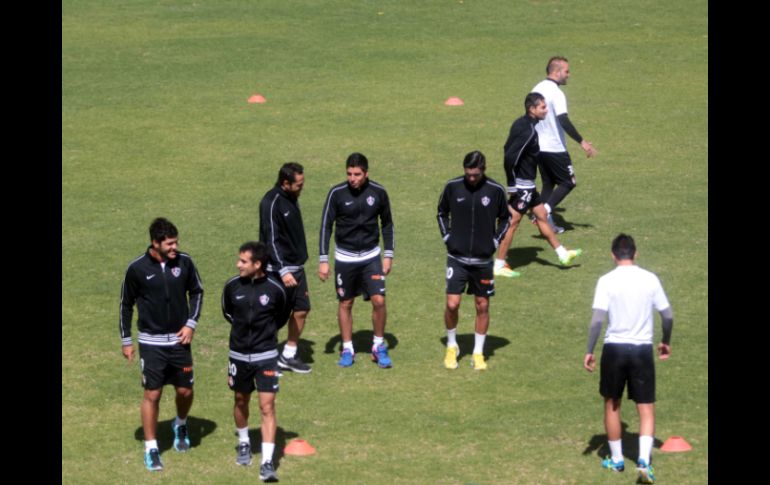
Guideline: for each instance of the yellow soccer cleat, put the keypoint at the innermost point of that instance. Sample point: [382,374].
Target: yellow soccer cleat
[478,362]
[571,255]
[450,358]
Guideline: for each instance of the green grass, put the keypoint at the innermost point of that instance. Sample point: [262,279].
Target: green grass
[155,122]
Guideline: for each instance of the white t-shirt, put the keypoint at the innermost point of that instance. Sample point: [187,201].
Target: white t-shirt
[628,294]
[549,130]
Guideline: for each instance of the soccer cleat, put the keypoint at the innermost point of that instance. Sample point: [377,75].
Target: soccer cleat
[181,438]
[571,255]
[450,358]
[616,466]
[346,358]
[478,362]
[267,472]
[556,229]
[380,356]
[294,364]
[244,454]
[506,272]
[152,460]
[646,472]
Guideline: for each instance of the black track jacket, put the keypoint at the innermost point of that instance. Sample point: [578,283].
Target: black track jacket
[466,219]
[281,229]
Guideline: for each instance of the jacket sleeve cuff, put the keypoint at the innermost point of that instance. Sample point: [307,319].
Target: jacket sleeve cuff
[446,237]
[389,254]
[284,271]
[191,323]
[125,342]
[324,258]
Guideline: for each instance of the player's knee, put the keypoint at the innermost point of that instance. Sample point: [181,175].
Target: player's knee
[453,306]
[184,392]
[378,302]
[482,305]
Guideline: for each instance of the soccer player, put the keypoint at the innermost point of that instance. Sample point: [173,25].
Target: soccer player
[282,230]
[168,293]
[555,163]
[354,207]
[467,211]
[256,306]
[521,151]
[628,294]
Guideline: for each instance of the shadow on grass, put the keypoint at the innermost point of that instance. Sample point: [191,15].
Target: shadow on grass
[362,342]
[304,350]
[197,428]
[466,342]
[523,256]
[630,443]
[255,436]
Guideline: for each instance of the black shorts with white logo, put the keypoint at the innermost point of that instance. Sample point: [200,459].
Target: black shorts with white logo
[523,199]
[364,278]
[556,167]
[297,296]
[480,280]
[163,365]
[247,376]
[629,363]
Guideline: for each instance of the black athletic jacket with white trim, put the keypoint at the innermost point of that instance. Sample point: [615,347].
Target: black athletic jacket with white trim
[466,218]
[520,154]
[355,213]
[161,297]
[282,231]
[256,309]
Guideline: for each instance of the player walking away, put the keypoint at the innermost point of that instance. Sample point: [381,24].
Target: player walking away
[282,230]
[354,207]
[556,168]
[520,163]
[256,306]
[628,294]
[467,211]
[168,293]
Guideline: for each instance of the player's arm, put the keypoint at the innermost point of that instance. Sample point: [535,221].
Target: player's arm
[667,322]
[503,218]
[328,216]
[570,129]
[128,292]
[444,223]
[597,318]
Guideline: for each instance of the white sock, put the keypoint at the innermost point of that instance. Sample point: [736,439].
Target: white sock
[349,346]
[267,451]
[451,338]
[499,263]
[150,444]
[616,449]
[180,421]
[561,252]
[548,208]
[478,347]
[645,448]
[243,435]
[289,351]
[377,341]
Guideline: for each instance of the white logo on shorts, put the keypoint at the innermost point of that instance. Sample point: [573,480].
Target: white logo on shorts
[449,272]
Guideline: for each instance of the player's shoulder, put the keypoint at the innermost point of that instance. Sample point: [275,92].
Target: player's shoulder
[377,186]
[495,185]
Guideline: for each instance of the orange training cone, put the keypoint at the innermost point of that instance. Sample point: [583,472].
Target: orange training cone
[676,443]
[299,447]
[257,98]
[454,101]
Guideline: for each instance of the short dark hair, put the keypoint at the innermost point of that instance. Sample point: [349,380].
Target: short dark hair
[554,63]
[532,100]
[288,173]
[161,228]
[357,160]
[475,159]
[258,252]
[623,247]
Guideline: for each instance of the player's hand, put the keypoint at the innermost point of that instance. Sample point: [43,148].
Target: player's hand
[664,351]
[589,362]
[185,335]
[128,352]
[323,271]
[288,280]
[386,265]
[588,148]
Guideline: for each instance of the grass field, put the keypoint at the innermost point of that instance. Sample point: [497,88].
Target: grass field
[155,122]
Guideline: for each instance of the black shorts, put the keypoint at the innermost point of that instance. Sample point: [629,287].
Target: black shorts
[480,280]
[163,365]
[556,167]
[297,296]
[523,199]
[364,278]
[241,376]
[630,363]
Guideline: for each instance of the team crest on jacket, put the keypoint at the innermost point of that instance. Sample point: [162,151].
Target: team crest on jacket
[370,200]
[176,271]
[485,201]
[263,299]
